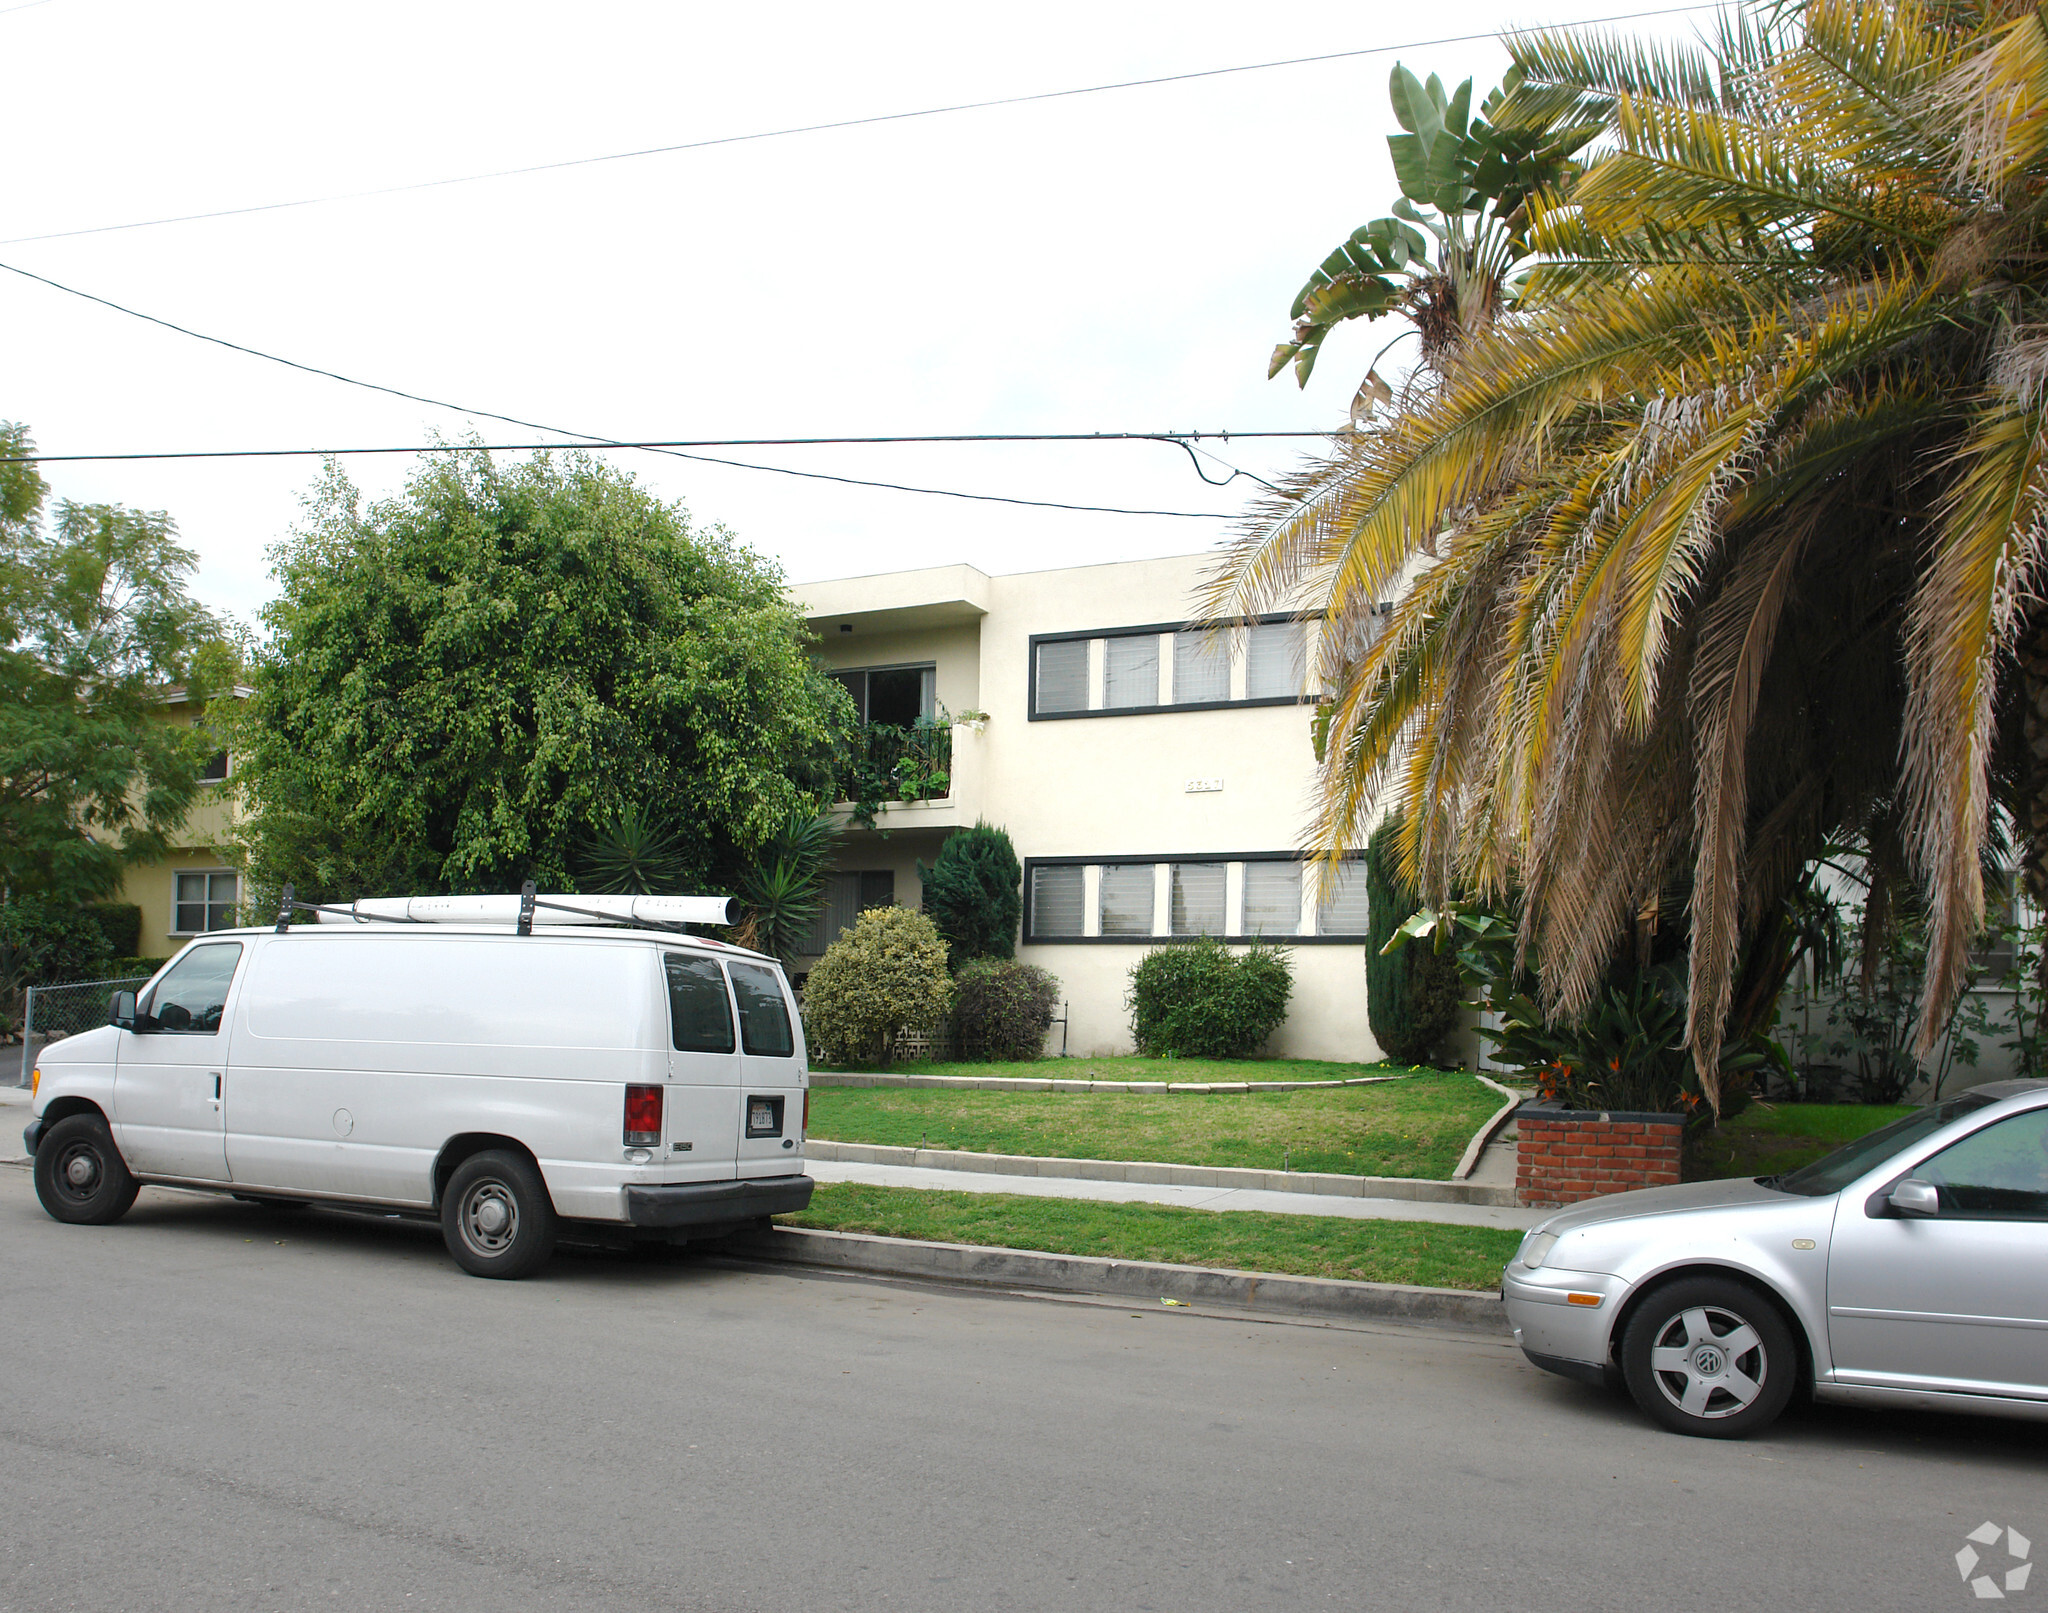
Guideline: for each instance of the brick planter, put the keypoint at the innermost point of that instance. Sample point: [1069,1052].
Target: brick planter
[1565,1155]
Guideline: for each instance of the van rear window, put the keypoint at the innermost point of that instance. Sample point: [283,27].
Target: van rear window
[764,1021]
[699,1015]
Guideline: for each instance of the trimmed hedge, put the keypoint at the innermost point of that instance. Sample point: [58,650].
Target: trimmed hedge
[1202,1001]
[1002,1010]
[121,923]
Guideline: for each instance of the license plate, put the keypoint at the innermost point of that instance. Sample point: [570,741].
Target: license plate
[761,1116]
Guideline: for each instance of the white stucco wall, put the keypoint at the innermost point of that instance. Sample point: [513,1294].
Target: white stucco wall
[1105,787]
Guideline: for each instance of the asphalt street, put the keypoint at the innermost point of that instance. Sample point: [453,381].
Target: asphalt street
[213,1406]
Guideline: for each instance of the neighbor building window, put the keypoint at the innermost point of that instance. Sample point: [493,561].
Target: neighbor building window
[1127,899]
[1272,898]
[216,768]
[1201,668]
[204,902]
[1057,901]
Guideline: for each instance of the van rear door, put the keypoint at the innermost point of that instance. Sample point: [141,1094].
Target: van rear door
[703,1095]
[770,1140]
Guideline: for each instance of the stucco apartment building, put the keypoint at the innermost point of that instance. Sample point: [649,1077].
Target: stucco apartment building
[1154,780]
[192,888]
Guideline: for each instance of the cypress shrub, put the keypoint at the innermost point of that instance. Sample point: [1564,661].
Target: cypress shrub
[973,894]
[1413,995]
[1201,1001]
[1002,1009]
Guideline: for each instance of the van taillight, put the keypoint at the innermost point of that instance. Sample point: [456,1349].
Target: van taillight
[807,1111]
[643,1117]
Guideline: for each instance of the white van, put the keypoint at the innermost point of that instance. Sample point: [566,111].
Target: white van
[502,1078]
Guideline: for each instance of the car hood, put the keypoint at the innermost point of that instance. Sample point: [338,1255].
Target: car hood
[95,1046]
[1660,1201]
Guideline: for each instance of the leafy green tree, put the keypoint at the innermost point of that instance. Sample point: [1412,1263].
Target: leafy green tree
[464,683]
[974,894]
[96,618]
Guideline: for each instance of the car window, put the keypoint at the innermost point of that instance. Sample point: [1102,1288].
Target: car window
[699,1013]
[1999,1173]
[190,997]
[764,1019]
[1836,1171]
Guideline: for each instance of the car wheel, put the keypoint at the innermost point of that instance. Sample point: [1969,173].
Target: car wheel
[80,1175]
[1709,1356]
[497,1217]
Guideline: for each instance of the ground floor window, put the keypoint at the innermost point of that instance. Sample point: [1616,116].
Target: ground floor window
[1267,895]
[205,901]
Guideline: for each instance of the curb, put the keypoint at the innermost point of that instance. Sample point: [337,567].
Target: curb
[1485,1134]
[1018,1083]
[1416,1188]
[1216,1288]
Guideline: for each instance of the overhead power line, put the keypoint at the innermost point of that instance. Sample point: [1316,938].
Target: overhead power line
[673,448]
[840,123]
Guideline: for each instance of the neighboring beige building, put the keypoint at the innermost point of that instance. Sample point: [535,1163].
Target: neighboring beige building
[1153,786]
[194,888]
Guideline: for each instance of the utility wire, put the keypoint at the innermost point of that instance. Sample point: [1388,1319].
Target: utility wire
[841,123]
[584,439]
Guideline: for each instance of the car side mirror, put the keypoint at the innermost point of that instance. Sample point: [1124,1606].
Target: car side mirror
[1913,1197]
[121,1010]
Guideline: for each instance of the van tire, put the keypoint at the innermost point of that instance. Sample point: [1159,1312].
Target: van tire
[496,1216]
[81,1177]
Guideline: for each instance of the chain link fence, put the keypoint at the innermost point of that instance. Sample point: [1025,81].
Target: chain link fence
[50,1013]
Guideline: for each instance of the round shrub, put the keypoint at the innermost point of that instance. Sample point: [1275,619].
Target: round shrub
[884,976]
[1002,1010]
[1202,1001]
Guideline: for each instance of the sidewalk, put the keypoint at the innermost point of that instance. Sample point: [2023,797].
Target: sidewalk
[1188,1198]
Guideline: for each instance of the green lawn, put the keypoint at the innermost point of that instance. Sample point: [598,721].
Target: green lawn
[1417,1127]
[1429,1253]
[1137,1069]
[1768,1138]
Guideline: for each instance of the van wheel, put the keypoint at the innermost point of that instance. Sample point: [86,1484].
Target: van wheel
[1710,1357]
[497,1217]
[80,1175]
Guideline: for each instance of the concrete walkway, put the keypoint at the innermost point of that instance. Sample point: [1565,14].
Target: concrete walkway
[1188,1198]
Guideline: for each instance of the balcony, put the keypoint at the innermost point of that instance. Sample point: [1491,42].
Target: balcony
[896,777]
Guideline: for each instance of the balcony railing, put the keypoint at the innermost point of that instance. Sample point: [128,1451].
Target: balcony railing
[884,764]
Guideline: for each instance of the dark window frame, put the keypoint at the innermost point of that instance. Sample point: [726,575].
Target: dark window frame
[1028,938]
[1154,629]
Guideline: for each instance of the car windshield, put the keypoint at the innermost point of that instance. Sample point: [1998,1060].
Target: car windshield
[1837,1170]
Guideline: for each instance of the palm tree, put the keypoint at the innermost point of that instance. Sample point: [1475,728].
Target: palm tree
[1726,540]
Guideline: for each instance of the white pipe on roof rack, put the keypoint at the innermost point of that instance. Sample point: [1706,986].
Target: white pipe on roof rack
[505,910]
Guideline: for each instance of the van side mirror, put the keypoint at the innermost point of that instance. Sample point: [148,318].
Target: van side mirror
[121,1010]
[1913,1197]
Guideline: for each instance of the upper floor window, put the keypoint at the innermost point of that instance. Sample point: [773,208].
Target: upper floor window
[216,768]
[1168,667]
[898,696]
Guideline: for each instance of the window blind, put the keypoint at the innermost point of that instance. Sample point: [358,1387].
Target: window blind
[1201,668]
[1056,902]
[1130,671]
[1275,663]
[1345,910]
[1063,675]
[1197,899]
[1272,898]
[1127,899]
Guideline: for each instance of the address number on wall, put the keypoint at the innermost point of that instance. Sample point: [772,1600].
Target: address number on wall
[1199,786]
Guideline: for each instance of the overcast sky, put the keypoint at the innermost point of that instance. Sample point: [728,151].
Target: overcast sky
[1112,262]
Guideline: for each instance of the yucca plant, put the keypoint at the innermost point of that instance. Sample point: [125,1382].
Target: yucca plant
[1727,539]
[632,853]
[785,885]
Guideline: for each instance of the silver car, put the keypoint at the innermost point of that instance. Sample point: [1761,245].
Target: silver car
[1907,1269]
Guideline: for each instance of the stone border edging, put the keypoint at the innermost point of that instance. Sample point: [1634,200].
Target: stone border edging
[1136,1280]
[1538,1110]
[1485,1134]
[1421,1189]
[1014,1083]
